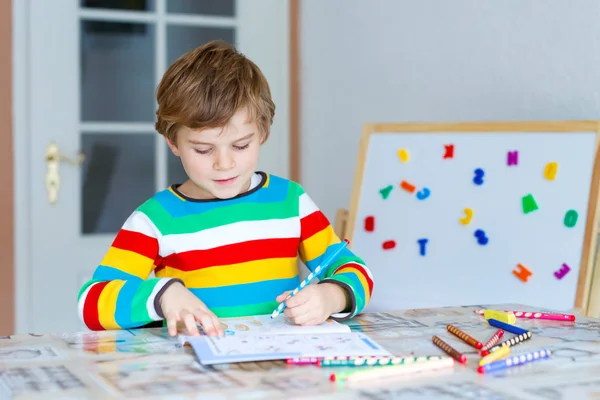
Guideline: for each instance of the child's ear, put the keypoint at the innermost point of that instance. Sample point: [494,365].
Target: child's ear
[173,147]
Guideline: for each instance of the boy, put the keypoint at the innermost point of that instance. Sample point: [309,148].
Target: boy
[225,242]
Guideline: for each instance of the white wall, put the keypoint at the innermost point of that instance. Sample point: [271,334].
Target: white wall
[434,60]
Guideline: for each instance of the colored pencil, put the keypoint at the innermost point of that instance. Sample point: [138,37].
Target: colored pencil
[374,361]
[514,361]
[507,327]
[464,336]
[362,374]
[493,340]
[536,315]
[513,341]
[451,351]
[321,267]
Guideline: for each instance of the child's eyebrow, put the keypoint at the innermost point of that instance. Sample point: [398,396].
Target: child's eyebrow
[248,136]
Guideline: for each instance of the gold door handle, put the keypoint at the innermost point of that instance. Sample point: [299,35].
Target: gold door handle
[53,159]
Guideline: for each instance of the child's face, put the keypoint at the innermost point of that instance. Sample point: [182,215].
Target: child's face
[219,161]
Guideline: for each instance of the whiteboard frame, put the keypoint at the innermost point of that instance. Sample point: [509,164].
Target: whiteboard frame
[587,301]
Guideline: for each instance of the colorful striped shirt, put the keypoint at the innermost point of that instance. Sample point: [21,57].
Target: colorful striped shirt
[236,255]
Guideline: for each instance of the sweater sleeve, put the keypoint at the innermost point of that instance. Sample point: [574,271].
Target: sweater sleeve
[119,295]
[317,239]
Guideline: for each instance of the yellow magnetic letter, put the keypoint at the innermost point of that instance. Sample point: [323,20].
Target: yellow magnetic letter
[403,154]
[550,171]
[468,215]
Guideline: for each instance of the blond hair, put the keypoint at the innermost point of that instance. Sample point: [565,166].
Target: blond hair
[207,85]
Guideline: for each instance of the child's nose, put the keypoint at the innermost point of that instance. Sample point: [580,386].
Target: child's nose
[224,161]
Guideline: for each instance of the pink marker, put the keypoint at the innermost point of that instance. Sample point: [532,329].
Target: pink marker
[536,315]
[303,360]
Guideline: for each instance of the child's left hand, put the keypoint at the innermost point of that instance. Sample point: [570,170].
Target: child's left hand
[314,304]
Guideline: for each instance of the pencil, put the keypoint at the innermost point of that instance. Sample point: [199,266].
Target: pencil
[465,337]
[311,276]
[390,371]
[452,352]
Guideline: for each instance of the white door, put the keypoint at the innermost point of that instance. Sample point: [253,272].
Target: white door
[90,69]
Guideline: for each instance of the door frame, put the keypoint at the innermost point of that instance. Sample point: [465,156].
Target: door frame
[17,225]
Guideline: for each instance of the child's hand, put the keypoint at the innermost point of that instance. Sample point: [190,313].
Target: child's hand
[314,304]
[179,304]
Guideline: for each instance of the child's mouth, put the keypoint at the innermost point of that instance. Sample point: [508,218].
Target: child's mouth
[225,181]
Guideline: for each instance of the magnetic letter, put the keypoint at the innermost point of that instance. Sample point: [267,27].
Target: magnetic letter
[478,180]
[403,155]
[512,158]
[449,151]
[467,218]
[407,186]
[481,238]
[422,243]
[529,204]
[423,194]
[369,223]
[522,273]
[570,218]
[385,192]
[550,171]
[390,244]
[562,271]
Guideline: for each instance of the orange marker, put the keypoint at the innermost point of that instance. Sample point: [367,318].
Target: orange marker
[407,186]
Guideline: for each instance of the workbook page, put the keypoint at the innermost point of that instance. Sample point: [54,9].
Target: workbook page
[240,348]
[281,325]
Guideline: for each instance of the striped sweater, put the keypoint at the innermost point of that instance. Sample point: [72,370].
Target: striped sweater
[236,255]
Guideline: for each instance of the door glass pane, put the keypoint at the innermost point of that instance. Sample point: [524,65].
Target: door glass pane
[117,71]
[225,8]
[175,171]
[118,175]
[132,5]
[181,39]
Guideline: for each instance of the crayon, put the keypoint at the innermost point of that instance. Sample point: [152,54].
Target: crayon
[495,356]
[514,361]
[493,340]
[509,342]
[507,327]
[465,337]
[506,317]
[452,352]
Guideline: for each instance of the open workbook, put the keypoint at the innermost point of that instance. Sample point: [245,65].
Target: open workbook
[281,325]
[261,338]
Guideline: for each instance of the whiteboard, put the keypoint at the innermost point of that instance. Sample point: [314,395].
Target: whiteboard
[458,268]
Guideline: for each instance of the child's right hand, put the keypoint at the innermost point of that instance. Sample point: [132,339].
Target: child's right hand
[179,304]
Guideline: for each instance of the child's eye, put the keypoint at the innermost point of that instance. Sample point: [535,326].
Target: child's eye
[242,147]
[202,151]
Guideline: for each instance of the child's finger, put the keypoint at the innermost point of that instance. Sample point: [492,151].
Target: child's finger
[172,323]
[190,323]
[218,325]
[295,312]
[207,323]
[283,296]
[298,299]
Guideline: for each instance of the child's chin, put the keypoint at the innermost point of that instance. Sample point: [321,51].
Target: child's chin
[226,194]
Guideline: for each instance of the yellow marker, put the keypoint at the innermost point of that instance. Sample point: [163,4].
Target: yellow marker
[550,171]
[468,215]
[506,317]
[403,154]
[496,355]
